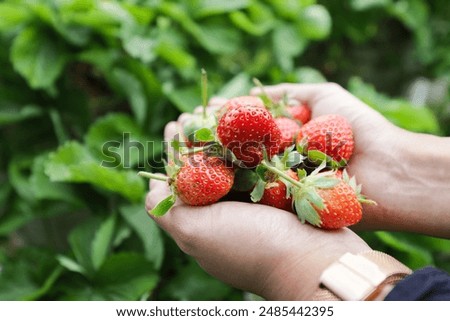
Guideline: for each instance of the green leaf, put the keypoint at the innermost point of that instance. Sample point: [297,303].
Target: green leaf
[314,198]
[398,111]
[184,98]
[148,232]
[17,174]
[80,240]
[119,142]
[39,58]
[204,135]
[361,5]
[15,114]
[287,44]
[301,173]
[72,162]
[317,156]
[315,22]
[43,188]
[163,206]
[239,85]
[258,191]
[411,254]
[309,75]
[207,8]
[192,283]
[306,212]
[70,264]
[138,42]
[125,276]
[261,171]
[131,87]
[257,20]
[13,15]
[325,182]
[101,243]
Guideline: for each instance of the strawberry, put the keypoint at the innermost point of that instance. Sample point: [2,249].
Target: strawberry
[329,200]
[246,128]
[329,134]
[203,180]
[276,194]
[342,207]
[243,101]
[200,180]
[289,130]
[300,112]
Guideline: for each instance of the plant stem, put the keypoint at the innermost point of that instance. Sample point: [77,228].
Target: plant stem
[204,92]
[153,176]
[282,174]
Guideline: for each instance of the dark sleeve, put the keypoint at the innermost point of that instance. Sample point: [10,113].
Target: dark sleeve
[427,284]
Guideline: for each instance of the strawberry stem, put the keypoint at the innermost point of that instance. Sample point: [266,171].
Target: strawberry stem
[282,174]
[204,92]
[264,96]
[153,176]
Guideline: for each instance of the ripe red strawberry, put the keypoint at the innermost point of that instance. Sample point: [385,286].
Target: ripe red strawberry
[203,180]
[289,130]
[199,181]
[300,112]
[342,207]
[330,134]
[275,194]
[246,129]
[242,101]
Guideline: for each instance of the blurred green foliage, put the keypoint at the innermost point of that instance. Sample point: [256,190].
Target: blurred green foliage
[75,74]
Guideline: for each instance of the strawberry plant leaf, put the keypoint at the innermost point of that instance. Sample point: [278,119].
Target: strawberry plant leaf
[314,198]
[204,135]
[132,88]
[301,173]
[38,58]
[316,156]
[261,171]
[239,85]
[325,182]
[258,191]
[101,243]
[314,22]
[70,264]
[73,162]
[306,212]
[14,114]
[125,276]
[148,232]
[163,206]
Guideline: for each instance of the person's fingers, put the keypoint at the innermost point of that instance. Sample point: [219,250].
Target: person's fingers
[184,117]
[170,131]
[158,191]
[305,93]
[217,101]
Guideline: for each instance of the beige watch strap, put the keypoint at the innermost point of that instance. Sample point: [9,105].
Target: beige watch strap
[359,277]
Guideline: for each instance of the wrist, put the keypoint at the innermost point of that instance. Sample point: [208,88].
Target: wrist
[296,275]
[368,276]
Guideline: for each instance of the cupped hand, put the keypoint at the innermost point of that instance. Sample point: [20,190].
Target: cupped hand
[254,247]
[387,161]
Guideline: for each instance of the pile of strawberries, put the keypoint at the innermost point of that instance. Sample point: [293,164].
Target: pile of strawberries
[255,150]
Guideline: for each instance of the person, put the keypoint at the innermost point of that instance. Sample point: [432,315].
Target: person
[268,252]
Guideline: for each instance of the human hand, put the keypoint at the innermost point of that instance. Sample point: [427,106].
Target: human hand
[403,172]
[253,247]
